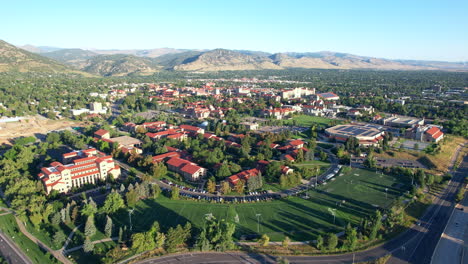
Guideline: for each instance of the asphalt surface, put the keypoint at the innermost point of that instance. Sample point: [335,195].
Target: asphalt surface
[10,252]
[414,245]
[452,245]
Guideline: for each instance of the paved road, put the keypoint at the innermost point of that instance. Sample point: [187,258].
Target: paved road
[452,245]
[10,252]
[415,245]
[420,249]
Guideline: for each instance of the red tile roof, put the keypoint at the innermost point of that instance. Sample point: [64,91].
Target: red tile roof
[176,136]
[190,168]
[296,142]
[190,128]
[233,179]
[101,132]
[161,157]
[434,132]
[245,175]
[176,162]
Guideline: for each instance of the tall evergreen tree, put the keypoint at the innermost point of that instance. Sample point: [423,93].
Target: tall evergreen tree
[108,227]
[90,227]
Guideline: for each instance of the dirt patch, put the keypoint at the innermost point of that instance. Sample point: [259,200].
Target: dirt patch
[32,126]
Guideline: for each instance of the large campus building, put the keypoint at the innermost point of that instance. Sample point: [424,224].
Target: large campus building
[296,92]
[78,168]
[402,121]
[367,135]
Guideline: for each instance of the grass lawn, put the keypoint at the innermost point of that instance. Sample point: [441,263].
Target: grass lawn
[8,226]
[325,146]
[312,163]
[308,121]
[364,187]
[298,218]
[323,166]
[449,145]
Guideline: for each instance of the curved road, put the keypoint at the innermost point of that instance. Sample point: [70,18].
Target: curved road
[414,245]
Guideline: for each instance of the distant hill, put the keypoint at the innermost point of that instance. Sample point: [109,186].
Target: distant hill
[226,60]
[169,61]
[16,59]
[137,61]
[74,57]
[120,65]
[333,60]
[38,49]
[150,53]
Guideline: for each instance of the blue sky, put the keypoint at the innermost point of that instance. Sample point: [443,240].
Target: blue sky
[410,29]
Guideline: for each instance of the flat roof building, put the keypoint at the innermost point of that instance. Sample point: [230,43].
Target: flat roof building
[367,135]
[126,141]
[402,121]
[328,96]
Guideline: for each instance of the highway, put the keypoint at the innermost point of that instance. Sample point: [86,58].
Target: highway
[452,245]
[414,245]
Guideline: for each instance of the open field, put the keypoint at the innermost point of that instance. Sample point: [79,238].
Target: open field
[308,121]
[31,127]
[312,163]
[364,187]
[323,166]
[8,226]
[300,219]
[439,162]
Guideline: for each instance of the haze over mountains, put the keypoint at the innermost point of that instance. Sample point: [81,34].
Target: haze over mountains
[144,62]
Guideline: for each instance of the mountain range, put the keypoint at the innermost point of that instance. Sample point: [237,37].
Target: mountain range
[144,62]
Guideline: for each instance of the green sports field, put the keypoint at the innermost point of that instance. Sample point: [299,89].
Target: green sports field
[296,217]
[308,121]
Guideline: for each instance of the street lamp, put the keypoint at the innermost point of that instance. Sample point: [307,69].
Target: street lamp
[130,212]
[333,212]
[386,189]
[258,222]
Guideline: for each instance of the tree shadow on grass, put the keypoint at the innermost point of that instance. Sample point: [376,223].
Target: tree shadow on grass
[144,216]
[382,187]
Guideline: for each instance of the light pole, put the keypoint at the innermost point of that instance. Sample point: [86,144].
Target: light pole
[332,211]
[386,189]
[130,212]
[258,222]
